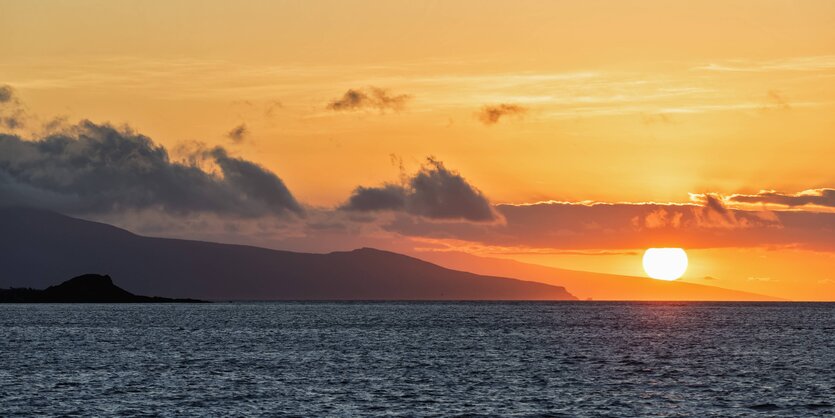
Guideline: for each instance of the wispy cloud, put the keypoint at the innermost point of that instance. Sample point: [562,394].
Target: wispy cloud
[823,197]
[12,113]
[812,63]
[238,134]
[307,90]
[777,100]
[492,114]
[369,98]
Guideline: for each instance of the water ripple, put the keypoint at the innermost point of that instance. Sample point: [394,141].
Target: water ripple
[425,359]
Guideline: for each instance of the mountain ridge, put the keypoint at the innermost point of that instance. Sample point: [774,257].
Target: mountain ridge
[593,285]
[205,270]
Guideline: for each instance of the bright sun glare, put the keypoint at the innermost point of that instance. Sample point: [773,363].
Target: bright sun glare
[665,263]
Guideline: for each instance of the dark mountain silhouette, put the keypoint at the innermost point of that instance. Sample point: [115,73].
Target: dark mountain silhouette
[88,288]
[36,245]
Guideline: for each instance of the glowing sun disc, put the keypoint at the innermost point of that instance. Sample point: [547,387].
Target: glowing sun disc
[665,263]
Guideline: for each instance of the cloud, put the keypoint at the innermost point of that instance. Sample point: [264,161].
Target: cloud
[656,118]
[809,63]
[817,197]
[386,197]
[255,181]
[238,133]
[491,114]
[369,98]
[6,94]
[660,218]
[95,169]
[777,101]
[714,214]
[761,279]
[12,114]
[434,192]
[271,107]
[122,177]
[618,226]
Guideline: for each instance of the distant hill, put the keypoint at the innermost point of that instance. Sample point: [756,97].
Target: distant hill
[36,246]
[88,288]
[589,285]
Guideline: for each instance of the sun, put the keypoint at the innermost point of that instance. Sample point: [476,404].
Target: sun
[665,263]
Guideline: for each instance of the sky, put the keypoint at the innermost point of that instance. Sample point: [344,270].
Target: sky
[569,134]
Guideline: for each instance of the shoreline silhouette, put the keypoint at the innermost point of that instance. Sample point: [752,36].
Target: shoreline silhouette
[87,288]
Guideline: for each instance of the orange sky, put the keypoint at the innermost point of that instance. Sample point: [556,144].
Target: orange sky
[605,101]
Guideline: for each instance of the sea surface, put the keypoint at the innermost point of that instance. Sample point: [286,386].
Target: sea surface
[418,359]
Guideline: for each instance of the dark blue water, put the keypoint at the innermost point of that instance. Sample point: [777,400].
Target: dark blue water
[336,359]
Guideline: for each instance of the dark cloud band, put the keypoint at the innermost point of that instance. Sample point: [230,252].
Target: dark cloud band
[97,169]
[434,192]
[818,197]
[618,226]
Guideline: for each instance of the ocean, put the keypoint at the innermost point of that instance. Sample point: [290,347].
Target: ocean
[418,359]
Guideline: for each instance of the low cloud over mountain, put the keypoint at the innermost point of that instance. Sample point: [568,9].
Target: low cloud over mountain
[578,226]
[93,168]
[434,192]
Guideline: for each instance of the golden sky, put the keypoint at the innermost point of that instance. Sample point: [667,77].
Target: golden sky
[530,101]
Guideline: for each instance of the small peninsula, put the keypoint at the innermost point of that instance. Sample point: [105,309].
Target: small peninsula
[87,288]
